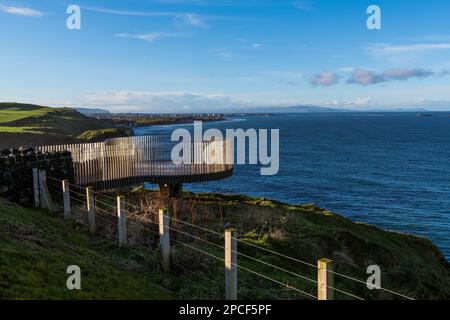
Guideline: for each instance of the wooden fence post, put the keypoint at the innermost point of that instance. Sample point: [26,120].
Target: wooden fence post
[90,209]
[164,238]
[230,265]
[325,279]
[121,223]
[36,187]
[66,198]
[45,199]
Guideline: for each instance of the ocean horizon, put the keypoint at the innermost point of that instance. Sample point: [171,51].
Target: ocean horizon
[389,169]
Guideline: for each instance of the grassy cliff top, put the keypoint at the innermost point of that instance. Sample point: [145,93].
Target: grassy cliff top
[36,247]
[409,264]
[26,124]
[10,112]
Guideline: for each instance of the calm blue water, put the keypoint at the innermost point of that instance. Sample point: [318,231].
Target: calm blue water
[387,169]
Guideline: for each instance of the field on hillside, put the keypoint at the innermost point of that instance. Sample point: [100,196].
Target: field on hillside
[11,112]
[24,124]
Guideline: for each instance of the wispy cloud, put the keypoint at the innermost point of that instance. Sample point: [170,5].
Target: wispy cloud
[219,3]
[134,13]
[254,44]
[324,79]
[359,103]
[385,49]
[148,37]
[405,74]
[302,5]
[224,53]
[145,101]
[189,18]
[194,20]
[365,77]
[21,11]
[431,104]
[257,45]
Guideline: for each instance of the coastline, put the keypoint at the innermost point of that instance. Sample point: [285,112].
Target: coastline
[183,124]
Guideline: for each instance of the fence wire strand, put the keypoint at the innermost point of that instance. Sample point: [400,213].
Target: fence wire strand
[134,217]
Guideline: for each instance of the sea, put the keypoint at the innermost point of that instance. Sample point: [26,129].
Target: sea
[388,169]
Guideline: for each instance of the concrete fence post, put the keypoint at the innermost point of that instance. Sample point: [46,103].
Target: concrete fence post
[91,209]
[36,187]
[230,265]
[121,222]
[66,198]
[45,199]
[325,279]
[164,238]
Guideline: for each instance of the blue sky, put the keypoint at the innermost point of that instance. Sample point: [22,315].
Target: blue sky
[200,55]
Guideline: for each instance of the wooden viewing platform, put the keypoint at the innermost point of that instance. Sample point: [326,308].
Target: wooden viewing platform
[126,162]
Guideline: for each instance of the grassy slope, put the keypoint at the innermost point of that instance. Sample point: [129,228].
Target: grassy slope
[14,112]
[100,135]
[36,248]
[24,124]
[411,265]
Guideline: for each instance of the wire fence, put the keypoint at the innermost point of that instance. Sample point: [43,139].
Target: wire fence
[197,254]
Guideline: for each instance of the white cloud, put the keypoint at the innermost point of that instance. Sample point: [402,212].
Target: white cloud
[405,74]
[224,53]
[302,5]
[254,44]
[138,101]
[148,37]
[359,103]
[324,79]
[385,49]
[430,104]
[194,20]
[135,13]
[363,102]
[189,18]
[21,11]
[365,77]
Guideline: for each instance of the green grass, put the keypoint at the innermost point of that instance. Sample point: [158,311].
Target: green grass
[33,130]
[36,248]
[410,265]
[100,135]
[24,124]
[12,112]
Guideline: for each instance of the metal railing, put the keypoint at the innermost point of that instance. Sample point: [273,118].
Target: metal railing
[126,161]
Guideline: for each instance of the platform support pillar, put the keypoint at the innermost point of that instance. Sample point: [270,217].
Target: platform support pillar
[167,190]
